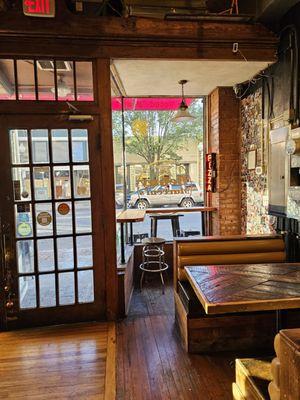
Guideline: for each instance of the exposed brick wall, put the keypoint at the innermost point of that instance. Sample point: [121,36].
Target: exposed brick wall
[224,139]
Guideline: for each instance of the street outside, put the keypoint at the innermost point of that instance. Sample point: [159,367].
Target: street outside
[191,221]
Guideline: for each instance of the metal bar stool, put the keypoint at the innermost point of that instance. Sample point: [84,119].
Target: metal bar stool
[174,221]
[153,259]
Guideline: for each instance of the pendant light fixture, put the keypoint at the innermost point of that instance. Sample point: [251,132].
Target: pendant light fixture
[183,113]
[63,90]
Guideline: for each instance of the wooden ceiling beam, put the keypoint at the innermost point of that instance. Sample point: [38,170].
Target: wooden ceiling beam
[139,37]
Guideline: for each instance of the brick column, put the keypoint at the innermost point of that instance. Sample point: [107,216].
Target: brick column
[224,139]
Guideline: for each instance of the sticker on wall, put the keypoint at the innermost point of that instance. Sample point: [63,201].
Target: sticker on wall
[24,229]
[44,218]
[63,209]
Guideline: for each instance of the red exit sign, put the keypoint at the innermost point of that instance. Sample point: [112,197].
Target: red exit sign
[39,8]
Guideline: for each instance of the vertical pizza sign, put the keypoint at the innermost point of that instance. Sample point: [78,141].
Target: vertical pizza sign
[211,172]
[39,8]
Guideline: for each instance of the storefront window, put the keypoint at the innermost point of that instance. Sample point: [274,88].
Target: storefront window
[163,162]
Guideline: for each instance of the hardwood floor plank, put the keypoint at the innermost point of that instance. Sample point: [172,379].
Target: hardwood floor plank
[153,364]
[58,362]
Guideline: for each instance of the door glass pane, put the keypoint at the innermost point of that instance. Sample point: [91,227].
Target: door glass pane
[65,254]
[44,219]
[84,81]
[47,290]
[7,80]
[40,146]
[42,183]
[80,149]
[84,246]
[45,77]
[60,145]
[45,255]
[81,179]
[86,286]
[64,218]
[26,81]
[65,80]
[66,288]
[23,219]
[19,146]
[25,256]
[21,184]
[27,292]
[62,182]
[83,218]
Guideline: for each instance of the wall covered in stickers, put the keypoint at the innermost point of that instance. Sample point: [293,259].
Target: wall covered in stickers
[254,191]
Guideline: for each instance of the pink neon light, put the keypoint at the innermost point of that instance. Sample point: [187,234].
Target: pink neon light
[148,104]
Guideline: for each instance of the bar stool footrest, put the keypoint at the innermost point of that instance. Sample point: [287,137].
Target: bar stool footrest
[165,267]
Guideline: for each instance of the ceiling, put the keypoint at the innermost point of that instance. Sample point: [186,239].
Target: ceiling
[160,77]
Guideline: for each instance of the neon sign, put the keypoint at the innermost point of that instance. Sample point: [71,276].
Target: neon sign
[39,8]
[211,172]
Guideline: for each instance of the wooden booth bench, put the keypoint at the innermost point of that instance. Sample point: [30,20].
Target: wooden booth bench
[233,330]
[264,378]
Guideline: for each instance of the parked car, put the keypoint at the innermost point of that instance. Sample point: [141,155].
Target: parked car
[186,196]
[119,196]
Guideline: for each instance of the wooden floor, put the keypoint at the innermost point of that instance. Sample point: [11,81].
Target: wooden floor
[59,362]
[151,364]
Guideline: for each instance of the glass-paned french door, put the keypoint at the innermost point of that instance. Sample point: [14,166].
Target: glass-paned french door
[53,269]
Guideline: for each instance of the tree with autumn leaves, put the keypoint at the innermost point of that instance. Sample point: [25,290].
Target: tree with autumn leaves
[155,137]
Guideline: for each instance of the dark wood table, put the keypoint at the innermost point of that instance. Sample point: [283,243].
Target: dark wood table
[225,289]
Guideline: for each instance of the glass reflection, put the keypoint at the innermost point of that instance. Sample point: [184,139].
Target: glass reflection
[27,292]
[47,290]
[42,183]
[19,146]
[25,256]
[21,184]
[81,179]
[83,216]
[62,182]
[40,146]
[65,254]
[86,286]
[60,146]
[80,147]
[84,245]
[66,288]
[45,254]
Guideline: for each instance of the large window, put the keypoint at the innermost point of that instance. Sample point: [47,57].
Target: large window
[158,162]
[46,80]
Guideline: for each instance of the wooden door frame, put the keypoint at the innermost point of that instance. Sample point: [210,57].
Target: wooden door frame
[61,314]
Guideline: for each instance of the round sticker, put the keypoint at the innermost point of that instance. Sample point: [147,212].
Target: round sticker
[44,218]
[63,209]
[24,229]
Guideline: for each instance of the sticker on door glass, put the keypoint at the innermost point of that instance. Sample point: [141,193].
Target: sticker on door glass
[63,209]
[44,218]
[23,208]
[24,229]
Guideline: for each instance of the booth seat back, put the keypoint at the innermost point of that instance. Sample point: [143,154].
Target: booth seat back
[227,250]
